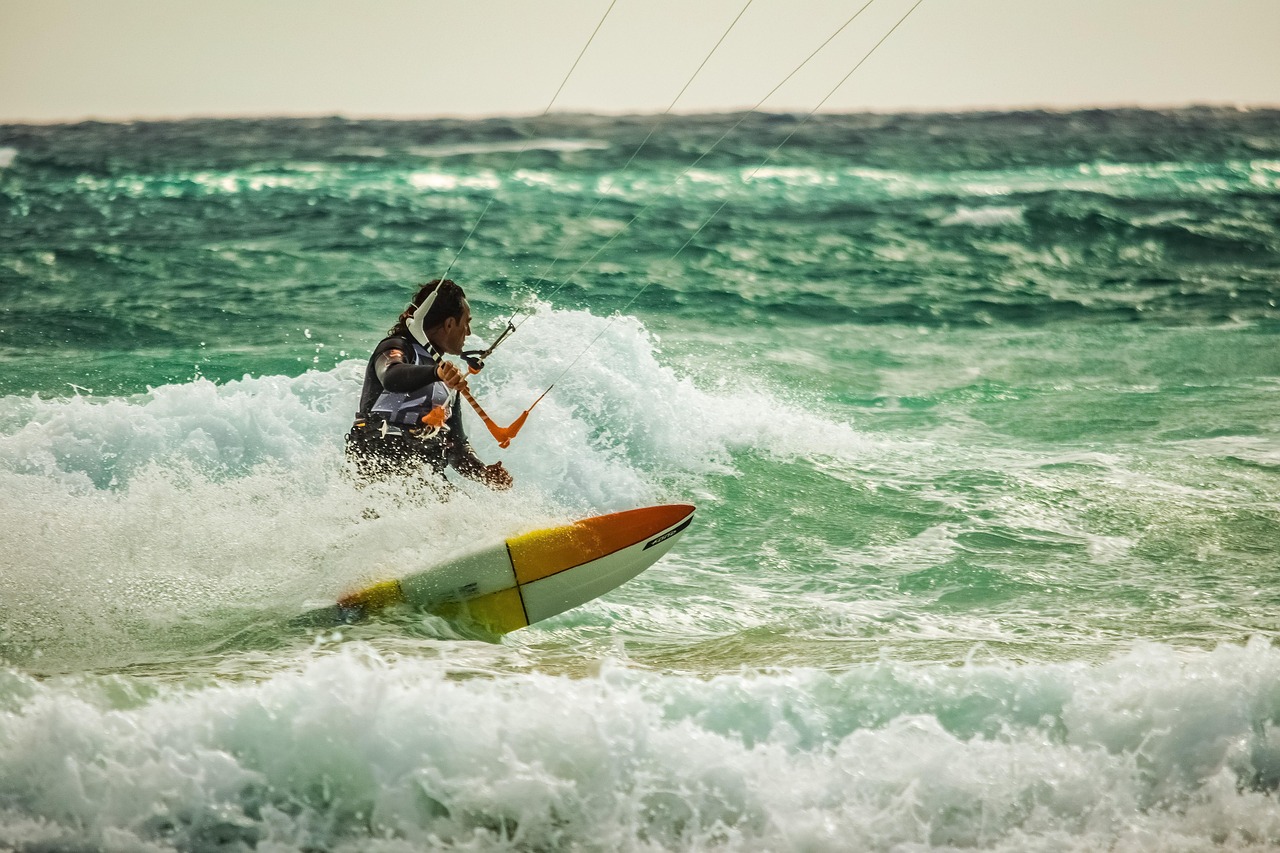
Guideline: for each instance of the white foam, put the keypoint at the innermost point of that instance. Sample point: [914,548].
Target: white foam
[7,156]
[445,182]
[619,404]
[358,750]
[984,217]
[793,175]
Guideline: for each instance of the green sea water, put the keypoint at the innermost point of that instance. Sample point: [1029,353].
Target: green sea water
[979,413]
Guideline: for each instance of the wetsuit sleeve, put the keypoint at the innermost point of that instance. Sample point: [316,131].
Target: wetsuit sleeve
[397,375]
[401,377]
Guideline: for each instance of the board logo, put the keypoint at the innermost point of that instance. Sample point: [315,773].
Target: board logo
[658,540]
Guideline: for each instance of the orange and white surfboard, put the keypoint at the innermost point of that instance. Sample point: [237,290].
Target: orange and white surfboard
[529,577]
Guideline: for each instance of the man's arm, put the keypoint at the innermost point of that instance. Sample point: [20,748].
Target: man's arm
[396,373]
[464,460]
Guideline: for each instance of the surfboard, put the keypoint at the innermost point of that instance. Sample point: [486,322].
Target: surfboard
[507,585]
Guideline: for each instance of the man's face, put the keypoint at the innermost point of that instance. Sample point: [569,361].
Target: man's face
[454,331]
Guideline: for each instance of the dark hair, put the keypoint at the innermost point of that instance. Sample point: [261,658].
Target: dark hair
[448,304]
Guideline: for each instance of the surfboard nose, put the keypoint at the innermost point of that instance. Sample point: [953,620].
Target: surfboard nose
[542,553]
[664,515]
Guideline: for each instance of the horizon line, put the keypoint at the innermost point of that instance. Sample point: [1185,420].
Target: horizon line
[1243,107]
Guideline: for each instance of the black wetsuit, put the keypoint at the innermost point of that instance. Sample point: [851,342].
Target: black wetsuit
[396,451]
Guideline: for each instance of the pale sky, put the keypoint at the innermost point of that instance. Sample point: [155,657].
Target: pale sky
[63,60]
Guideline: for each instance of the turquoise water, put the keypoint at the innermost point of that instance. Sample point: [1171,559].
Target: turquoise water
[978,411]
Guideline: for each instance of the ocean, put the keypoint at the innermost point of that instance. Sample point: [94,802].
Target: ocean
[979,413]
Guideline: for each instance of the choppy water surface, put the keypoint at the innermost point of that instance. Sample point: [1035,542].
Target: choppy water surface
[979,413]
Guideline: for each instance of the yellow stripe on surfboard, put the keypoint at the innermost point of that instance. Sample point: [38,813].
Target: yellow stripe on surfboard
[498,612]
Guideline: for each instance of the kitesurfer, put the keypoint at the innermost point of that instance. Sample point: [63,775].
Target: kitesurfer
[409,414]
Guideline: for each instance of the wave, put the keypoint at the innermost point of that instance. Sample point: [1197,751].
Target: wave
[1152,749]
[616,408]
[161,523]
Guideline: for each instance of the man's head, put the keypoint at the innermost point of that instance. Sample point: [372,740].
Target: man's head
[439,313]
